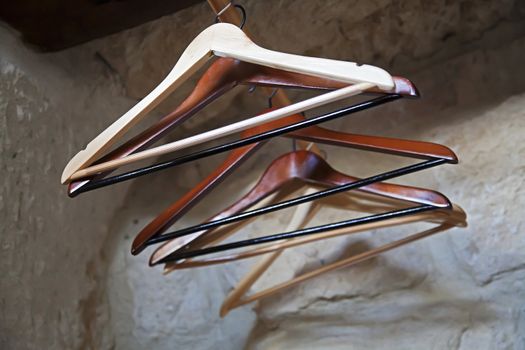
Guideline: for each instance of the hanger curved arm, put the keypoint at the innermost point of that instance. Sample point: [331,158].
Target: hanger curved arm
[141,241]
[225,40]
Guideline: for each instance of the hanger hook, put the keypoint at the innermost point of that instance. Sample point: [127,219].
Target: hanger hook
[243,12]
[270,105]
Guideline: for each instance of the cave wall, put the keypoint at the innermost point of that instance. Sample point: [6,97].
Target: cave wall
[70,282]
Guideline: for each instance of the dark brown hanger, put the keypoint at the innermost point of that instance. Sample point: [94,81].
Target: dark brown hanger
[415,149]
[223,75]
[316,172]
[309,168]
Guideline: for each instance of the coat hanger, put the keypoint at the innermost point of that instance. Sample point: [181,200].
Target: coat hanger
[280,130]
[318,173]
[150,234]
[237,297]
[446,218]
[287,169]
[226,40]
[452,214]
[220,132]
[223,75]
[403,147]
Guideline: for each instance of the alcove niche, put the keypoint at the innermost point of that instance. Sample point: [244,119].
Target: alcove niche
[69,280]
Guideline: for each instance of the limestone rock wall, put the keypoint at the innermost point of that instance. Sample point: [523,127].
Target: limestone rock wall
[70,281]
[51,289]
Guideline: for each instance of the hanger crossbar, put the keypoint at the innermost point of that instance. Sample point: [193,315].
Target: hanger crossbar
[299,200]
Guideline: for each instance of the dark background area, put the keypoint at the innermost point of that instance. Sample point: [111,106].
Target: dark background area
[52,25]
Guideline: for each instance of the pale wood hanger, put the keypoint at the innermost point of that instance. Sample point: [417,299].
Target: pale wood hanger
[446,217]
[226,40]
[221,76]
[235,298]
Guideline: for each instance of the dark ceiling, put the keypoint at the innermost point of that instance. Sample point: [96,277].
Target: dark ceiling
[53,25]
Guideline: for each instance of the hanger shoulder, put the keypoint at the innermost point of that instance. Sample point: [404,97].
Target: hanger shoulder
[248,200]
[311,168]
[264,187]
[191,198]
[235,44]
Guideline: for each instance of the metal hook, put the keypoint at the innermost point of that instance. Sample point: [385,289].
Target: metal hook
[270,98]
[243,12]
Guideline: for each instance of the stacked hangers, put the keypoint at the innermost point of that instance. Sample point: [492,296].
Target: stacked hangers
[240,61]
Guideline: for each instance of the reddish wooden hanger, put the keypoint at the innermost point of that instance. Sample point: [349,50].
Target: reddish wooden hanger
[408,148]
[223,75]
[309,168]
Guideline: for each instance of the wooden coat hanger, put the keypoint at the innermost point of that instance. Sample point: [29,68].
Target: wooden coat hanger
[453,214]
[223,75]
[150,234]
[446,218]
[226,40]
[232,145]
[220,132]
[289,168]
[317,172]
[402,147]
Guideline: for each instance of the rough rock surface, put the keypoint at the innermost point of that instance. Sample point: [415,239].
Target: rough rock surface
[52,262]
[69,280]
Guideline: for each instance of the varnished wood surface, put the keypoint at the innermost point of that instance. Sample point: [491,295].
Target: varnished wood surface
[302,165]
[416,149]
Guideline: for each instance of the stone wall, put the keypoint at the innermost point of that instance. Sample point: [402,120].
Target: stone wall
[52,259]
[70,282]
